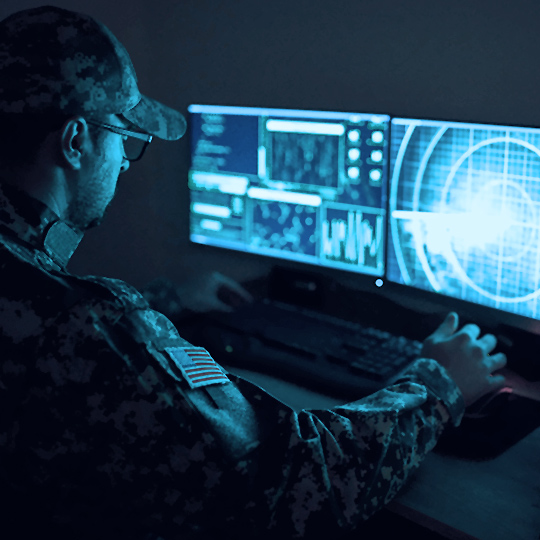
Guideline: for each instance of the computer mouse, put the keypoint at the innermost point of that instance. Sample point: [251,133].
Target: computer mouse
[490,404]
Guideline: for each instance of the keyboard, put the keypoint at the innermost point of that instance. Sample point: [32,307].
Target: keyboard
[308,347]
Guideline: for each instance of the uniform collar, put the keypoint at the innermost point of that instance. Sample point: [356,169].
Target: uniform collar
[36,224]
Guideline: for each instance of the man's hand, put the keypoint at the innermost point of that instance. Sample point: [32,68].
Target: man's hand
[212,292]
[466,357]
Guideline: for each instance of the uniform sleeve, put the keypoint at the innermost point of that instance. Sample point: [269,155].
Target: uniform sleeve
[162,295]
[132,447]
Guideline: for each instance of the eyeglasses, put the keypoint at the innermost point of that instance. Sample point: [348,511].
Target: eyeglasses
[134,145]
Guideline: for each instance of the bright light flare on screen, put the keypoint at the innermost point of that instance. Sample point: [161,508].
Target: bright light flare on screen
[465,209]
[483,225]
[478,228]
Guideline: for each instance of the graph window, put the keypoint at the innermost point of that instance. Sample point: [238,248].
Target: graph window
[304,185]
[464,209]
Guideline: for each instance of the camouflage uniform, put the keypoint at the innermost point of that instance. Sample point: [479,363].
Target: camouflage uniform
[105,432]
[102,434]
[55,60]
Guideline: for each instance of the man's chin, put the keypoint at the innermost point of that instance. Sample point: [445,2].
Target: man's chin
[84,225]
[94,223]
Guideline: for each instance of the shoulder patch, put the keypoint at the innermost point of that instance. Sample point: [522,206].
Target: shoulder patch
[197,366]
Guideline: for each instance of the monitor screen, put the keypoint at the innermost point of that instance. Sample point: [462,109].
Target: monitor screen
[308,186]
[464,212]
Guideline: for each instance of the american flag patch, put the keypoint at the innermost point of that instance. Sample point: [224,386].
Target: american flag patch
[197,366]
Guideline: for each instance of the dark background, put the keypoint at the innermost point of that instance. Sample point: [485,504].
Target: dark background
[473,60]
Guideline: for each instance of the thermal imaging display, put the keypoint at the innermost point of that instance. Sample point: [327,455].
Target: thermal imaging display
[464,208]
[304,185]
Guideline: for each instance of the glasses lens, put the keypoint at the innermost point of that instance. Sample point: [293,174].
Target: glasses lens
[133,148]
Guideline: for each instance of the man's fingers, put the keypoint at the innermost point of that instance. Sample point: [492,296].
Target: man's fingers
[496,362]
[496,381]
[472,330]
[488,342]
[234,286]
[218,305]
[448,326]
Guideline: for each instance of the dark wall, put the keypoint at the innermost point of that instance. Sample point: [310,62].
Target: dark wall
[461,59]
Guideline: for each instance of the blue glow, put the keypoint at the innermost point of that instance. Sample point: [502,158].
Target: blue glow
[293,113]
[236,185]
[289,184]
[377,137]
[316,128]
[465,212]
[210,210]
[261,167]
[377,156]
[284,196]
[211,225]
[378,119]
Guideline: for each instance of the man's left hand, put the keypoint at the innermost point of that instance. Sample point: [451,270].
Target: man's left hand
[212,292]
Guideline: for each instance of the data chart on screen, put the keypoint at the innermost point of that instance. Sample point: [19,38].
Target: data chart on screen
[309,186]
[464,210]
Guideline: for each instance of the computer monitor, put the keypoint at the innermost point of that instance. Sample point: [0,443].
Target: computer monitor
[308,186]
[464,212]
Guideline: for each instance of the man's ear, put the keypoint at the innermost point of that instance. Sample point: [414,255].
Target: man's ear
[74,141]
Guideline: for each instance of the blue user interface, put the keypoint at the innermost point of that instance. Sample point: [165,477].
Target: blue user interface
[464,207]
[309,186]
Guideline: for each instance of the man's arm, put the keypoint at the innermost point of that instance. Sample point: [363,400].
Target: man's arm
[205,292]
[116,429]
[126,431]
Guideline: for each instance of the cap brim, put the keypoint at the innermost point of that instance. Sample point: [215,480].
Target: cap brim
[157,119]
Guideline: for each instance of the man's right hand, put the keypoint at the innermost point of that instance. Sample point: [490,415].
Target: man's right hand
[466,357]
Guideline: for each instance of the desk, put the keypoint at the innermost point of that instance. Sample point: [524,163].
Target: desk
[498,499]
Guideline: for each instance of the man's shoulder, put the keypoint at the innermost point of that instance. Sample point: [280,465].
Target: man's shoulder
[124,295]
[35,295]
[28,283]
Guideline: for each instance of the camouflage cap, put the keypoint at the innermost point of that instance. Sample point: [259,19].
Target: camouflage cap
[52,59]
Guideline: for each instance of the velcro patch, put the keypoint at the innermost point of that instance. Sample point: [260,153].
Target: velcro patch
[197,366]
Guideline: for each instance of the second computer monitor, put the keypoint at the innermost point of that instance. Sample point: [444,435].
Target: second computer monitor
[308,186]
[464,211]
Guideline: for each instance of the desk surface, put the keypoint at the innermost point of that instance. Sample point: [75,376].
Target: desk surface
[496,499]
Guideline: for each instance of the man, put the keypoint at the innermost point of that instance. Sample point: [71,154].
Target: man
[105,431]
